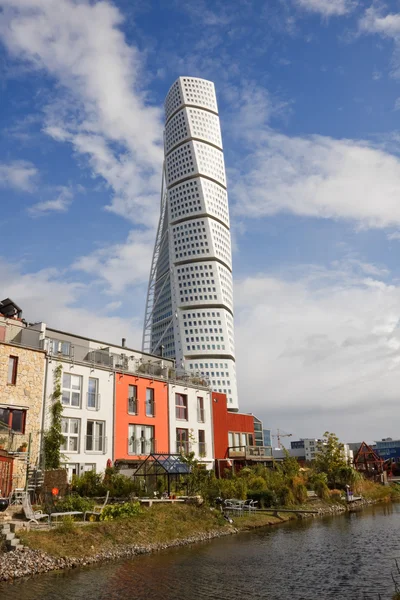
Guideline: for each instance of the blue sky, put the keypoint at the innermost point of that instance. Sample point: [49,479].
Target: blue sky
[309,100]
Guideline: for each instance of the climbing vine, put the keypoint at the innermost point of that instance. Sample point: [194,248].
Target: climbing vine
[53,438]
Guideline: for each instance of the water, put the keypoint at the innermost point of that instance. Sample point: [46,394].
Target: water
[348,557]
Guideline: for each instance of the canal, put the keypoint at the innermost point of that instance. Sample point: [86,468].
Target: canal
[345,557]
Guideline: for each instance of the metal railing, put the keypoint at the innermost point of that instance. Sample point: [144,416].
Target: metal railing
[95,443]
[132,406]
[250,452]
[141,447]
[160,368]
[93,400]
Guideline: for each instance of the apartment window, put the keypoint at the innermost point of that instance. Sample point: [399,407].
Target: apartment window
[13,418]
[202,442]
[181,407]
[93,396]
[150,407]
[70,429]
[141,440]
[200,409]
[72,471]
[12,370]
[71,390]
[132,400]
[182,441]
[95,440]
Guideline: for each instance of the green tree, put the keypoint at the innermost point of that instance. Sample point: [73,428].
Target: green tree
[331,460]
[53,438]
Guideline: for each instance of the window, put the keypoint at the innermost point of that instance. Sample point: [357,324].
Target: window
[95,440]
[132,400]
[71,390]
[181,407]
[150,408]
[70,429]
[141,440]
[200,410]
[12,370]
[72,470]
[13,418]
[182,440]
[202,442]
[93,396]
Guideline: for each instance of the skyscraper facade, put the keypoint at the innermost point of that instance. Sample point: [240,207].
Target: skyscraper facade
[189,308]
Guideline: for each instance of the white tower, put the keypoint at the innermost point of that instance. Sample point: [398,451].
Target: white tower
[189,309]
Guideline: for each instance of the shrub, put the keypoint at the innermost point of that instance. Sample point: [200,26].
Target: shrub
[265,499]
[335,495]
[89,484]
[120,511]
[74,503]
[286,497]
[67,525]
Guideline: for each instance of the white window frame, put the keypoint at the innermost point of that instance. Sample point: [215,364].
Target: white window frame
[96,394]
[69,390]
[101,448]
[141,440]
[69,436]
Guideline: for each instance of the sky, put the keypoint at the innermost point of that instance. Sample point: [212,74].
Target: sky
[309,101]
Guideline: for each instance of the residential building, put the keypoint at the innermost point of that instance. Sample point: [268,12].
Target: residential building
[22,376]
[234,438]
[258,432]
[141,417]
[388,448]
[189,308]
[190,422]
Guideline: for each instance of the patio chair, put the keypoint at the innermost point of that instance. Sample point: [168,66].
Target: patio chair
[33,516]
[250,505]
[97,510]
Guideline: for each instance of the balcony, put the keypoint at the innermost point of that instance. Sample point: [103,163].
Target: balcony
[202,448]
[93,400]
[132,406]
[250,452]
[141,447]
[95,444]
[182,447]
[201,415]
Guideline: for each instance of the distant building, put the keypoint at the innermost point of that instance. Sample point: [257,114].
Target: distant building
[388,448]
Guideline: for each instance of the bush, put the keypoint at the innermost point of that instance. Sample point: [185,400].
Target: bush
[89,484]
[74,503]
[265,499]
[335,495]
[67,525]
[120,511]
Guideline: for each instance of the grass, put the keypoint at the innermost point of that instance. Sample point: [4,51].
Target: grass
[158,524]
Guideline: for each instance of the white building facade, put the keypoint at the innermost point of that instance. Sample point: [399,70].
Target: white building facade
[189,310]
[190,422]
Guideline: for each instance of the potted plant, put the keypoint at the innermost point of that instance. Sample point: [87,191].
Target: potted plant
[2,443]
[23,447]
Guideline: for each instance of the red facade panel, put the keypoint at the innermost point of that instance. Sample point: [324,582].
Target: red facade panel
[225,421]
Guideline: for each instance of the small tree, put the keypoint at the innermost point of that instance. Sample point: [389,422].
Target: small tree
[53,438]
[331,460]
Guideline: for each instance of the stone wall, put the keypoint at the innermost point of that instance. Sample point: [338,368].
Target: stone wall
[26,393]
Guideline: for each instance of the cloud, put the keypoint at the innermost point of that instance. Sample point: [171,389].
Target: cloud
[373,21]
[120,266]
[320,348]
[327,8]
[60,204]
[99,105]
[20,175]
[317,176]
[48,296]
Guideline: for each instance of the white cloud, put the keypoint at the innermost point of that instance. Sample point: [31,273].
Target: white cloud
[20,175]
[101,108]
[121,265]
[48,296]
[395,235]
[320,349]
[327,8]
[59,204]
[386,25]
[318,176]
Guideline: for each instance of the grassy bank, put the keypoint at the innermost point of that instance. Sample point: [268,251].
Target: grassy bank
[155,525]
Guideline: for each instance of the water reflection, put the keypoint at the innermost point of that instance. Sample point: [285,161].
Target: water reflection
[342,557]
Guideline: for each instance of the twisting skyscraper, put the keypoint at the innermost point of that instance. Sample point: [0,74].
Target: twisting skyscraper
[189,309]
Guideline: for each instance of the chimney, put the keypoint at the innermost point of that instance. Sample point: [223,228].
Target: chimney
[123,342]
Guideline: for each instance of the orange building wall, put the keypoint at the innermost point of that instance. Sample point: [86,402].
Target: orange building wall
[123,419]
